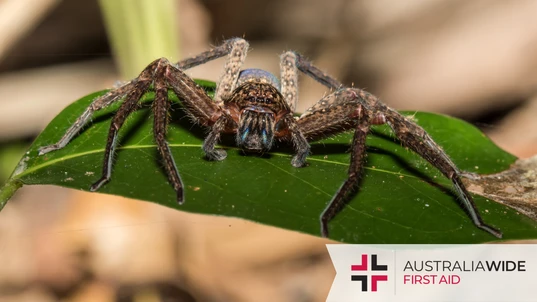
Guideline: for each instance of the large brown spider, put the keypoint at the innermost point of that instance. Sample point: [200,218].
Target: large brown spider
[258,108]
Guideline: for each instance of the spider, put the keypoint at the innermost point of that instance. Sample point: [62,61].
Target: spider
[258,109]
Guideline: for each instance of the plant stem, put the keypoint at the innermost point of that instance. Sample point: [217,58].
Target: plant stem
[141,31]
[11,186]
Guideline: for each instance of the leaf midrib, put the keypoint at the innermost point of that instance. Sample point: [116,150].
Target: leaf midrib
[67,157]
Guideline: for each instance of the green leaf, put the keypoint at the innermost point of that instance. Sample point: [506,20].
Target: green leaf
[10,153]
[402,198]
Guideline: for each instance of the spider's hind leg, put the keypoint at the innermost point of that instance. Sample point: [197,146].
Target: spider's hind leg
[347,108]
[358,154]
[161,106]
[98,104]
[337,112]
[417,139]
[138,87]
[128,106]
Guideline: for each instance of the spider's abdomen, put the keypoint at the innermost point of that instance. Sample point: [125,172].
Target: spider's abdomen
[255,75]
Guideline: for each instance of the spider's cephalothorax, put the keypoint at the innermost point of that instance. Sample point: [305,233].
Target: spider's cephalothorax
[258,108]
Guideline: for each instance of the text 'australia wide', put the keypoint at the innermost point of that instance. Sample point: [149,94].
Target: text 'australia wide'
[465,266]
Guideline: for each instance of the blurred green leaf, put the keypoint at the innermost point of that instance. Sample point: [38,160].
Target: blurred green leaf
[402,198]
[137,35]
[10,154]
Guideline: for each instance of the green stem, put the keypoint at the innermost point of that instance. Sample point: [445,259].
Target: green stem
[141,31]
[11,186]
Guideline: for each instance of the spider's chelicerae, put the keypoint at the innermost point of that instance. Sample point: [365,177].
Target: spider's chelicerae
[258,108]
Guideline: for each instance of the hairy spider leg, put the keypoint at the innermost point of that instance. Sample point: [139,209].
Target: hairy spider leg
[232,68]
[358,154]
[320,121]
[236,50]
[302,147]
[290,63]
[100,103]
[212,139]
[161,106]
[128,107]
[202,109]
[320,76]
[289,78]
[417,139]
[119,93]
[335,113]
[346,107]
[199,106]
[206,56]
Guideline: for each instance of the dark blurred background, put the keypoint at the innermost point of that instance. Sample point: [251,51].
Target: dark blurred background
[476,60]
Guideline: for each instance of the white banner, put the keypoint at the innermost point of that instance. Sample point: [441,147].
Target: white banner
[434,273]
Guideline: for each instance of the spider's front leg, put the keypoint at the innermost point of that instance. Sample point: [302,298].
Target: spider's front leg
[226,85]
[212,139]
